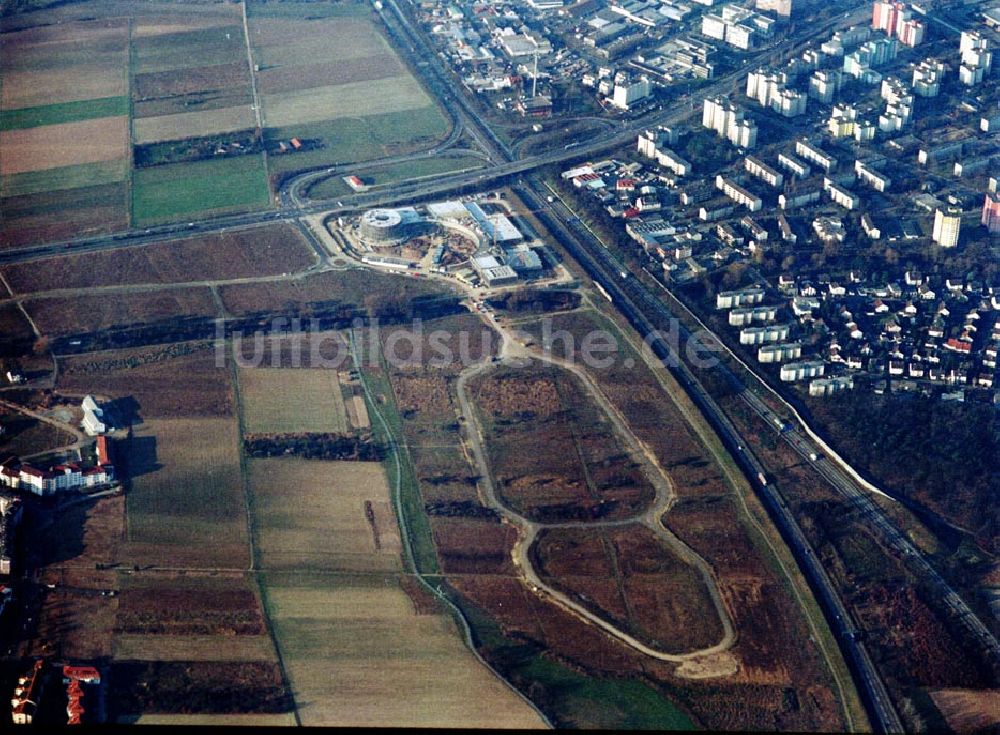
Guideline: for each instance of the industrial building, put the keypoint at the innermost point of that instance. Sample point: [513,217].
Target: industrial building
[629,92]
[737,26]
[382,227]
[492,272]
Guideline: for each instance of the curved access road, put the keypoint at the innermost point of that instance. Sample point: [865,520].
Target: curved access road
[650,518]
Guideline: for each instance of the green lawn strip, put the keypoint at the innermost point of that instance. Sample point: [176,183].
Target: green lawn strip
[420,538]
[334,186]
[63,112]
[176,191]
[570,698]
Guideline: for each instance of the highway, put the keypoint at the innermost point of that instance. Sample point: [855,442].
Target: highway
[292,203]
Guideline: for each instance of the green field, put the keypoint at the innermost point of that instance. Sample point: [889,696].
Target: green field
[176,191]
[574,700]
[64,177]
[351,139]
[63,112]
[334,186]
[421,541]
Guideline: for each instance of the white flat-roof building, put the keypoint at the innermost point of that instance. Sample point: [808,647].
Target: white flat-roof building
[761,170]
[738,194]
[764,335]
[779,353]
[739,297]
[793,371]
[93,417]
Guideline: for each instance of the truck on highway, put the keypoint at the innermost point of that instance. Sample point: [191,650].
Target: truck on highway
[813,456]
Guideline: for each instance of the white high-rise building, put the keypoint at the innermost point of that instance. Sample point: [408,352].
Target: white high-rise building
[729,122]
[947,226]
[927,78]
[824,84]
[628,92]
[977,59]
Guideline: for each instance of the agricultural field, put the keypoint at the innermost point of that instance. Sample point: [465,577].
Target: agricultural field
[64,130]
[577,470]
[354,287]
[171,605]
[635,579]
[173,381]
[277,401]
[252,252]
[318,515]
[360,653]
[63,213]
[192,124]
[137,688]
[185,502]
[317,74]
[179,190]
[286,719]
[66,315]
[319,350]
[73,618]
[56,146]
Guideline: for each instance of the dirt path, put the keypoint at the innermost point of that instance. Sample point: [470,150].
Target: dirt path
[80,437]
[510,352]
